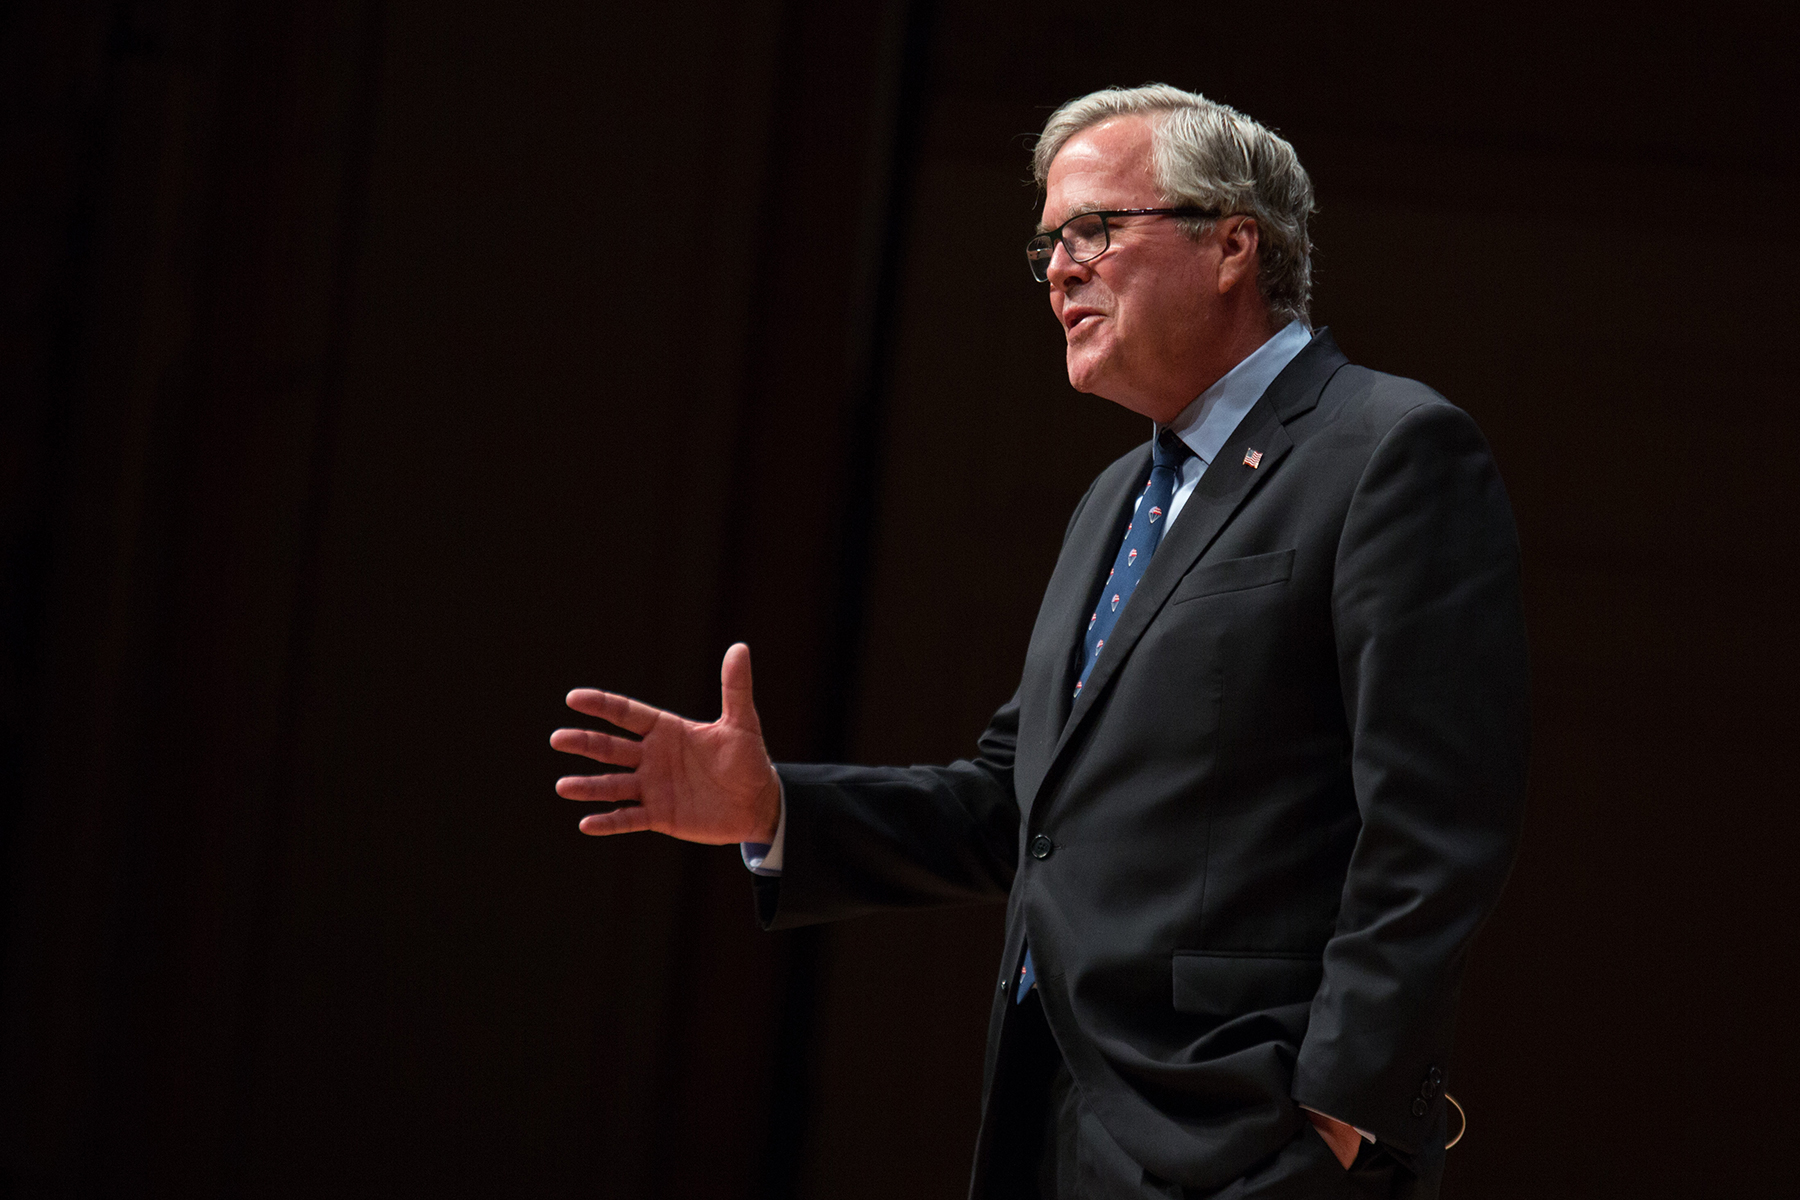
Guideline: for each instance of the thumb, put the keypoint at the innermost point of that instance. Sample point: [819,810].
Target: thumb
[737,705]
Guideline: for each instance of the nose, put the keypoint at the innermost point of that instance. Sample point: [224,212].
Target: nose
[1064,269]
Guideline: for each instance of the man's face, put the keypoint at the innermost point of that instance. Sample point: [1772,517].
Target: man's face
[1137,317]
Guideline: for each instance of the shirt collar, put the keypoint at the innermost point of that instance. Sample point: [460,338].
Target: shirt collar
[1206,423]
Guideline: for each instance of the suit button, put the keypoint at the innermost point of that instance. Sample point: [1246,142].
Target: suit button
[1436,1077]
[1426,1090]
[1420,1108]
[1041,846]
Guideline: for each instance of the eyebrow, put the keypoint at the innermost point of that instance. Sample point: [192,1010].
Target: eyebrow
[1043,228]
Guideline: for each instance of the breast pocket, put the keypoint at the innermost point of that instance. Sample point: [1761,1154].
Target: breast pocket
[1234,575]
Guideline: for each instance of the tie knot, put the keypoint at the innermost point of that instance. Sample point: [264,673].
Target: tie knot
[1168,450]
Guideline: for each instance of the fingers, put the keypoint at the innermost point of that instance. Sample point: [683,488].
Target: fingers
[599,789]
[622,711]
[737,706]
[620,789]
[601,747]
[620,820]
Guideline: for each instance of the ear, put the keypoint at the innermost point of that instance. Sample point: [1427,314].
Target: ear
[1238,261]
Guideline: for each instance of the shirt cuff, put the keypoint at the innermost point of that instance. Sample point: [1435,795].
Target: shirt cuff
[1366,1135]
[765,859]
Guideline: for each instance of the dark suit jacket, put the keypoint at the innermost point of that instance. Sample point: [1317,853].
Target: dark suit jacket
[1250,858]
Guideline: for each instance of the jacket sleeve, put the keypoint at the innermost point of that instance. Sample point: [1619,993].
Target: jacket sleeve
[860,839]
[1431,651]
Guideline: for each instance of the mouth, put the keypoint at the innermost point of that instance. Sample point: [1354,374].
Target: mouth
[1075,318]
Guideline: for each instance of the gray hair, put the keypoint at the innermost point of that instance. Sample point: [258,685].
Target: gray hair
[1210,156]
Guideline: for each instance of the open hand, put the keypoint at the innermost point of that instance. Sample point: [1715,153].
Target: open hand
[710,783]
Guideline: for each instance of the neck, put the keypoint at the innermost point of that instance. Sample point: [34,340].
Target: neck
[1245,328]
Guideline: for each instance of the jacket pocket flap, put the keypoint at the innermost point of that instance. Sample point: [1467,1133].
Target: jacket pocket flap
[1235,575]
[1229,985]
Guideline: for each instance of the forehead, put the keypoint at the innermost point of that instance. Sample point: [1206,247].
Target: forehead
[1107,165]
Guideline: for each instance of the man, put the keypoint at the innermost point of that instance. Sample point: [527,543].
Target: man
[1262,777]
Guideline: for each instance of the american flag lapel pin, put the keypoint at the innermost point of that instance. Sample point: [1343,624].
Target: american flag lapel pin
[1253,459]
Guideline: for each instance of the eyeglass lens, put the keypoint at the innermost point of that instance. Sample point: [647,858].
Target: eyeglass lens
[1084,237]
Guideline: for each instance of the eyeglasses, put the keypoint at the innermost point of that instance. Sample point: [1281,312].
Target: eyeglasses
[1086,236]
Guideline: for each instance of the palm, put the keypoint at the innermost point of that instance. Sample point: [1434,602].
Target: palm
[701,782]
[692,775]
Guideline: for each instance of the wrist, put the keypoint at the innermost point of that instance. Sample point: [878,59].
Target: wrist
[1343,1138]
[768,809]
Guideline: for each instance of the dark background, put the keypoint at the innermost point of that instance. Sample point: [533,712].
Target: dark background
[375,372]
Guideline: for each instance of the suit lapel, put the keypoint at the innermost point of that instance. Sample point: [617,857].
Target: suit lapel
[1051,664]
[1103,529]
[1221,492]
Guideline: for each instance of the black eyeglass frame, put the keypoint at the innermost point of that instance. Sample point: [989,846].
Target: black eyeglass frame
[1048,241]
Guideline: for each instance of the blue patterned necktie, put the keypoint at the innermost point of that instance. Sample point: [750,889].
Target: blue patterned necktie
[1142,536]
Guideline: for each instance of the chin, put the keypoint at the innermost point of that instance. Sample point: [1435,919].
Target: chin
[1087,373]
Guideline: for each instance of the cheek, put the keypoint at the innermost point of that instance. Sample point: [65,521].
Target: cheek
[1183,305]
